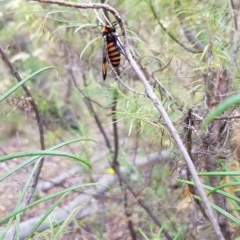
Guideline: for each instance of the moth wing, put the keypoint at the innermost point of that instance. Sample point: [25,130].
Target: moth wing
[105,59]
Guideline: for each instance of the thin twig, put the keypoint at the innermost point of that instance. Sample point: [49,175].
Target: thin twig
[227,117]
[233,9]
[168,95]
[15,73]
[197,44]
[88,101]
[105,7]
[130,88]
[128,214]
[143,204]
[167,31]
[115,166]
[98,121]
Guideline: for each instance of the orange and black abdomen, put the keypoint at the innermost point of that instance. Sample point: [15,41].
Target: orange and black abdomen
[112,49]
[113,53]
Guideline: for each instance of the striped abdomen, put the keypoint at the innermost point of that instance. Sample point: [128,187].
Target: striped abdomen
[111,49]
[113,53]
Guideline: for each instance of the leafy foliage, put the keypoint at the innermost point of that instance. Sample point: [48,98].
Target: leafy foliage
[181,46]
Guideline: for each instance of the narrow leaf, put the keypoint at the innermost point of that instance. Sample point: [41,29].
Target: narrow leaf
[19,84]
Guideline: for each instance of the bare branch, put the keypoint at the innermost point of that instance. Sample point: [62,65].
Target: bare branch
[105,7]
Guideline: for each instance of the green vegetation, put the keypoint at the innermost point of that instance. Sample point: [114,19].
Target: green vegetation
[120,172]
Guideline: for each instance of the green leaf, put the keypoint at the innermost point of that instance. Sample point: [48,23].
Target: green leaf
[220,210]
[225,213]
[230,184]
[88,45]
[48,197]
[44,153]
[222,173]
[19,84]
[28,161]
[45,215]
[230,196]
[220,108]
